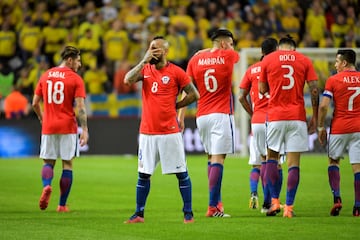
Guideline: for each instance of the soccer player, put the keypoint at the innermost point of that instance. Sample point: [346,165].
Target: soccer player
[59,88]
[256,107]
[283,75]
[160,135]
[211,70]
[344,89]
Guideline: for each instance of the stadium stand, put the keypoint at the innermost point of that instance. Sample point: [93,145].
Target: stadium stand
[36,28]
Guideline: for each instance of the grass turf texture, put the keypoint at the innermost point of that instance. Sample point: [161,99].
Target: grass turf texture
[103,197]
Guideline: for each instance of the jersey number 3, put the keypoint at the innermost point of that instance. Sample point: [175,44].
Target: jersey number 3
[55,92]
[289,75]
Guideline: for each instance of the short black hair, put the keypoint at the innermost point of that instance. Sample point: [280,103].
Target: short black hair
[70,51]
[348,55]
[158,37]
[221,32]
[288,40]
[269,45]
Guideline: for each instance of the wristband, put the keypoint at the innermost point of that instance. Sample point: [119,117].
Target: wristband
[320,129]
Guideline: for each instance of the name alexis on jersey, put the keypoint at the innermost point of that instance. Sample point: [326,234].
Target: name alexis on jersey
[351,79]
[56,74]
[211,61]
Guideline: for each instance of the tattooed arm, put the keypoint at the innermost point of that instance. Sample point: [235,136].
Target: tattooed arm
[189,95]
[314,91]
[82,117]
[134,75]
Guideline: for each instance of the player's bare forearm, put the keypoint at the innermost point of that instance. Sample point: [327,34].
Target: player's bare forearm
[244,102]
[323,108]
[191,96]
[263,88]
[314,90]
[36,106]
[181,114]
[322,135]
[82,116]
[38,112]
[134,74]
[81,113]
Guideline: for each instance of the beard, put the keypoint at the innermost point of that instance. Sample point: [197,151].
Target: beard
[155,61]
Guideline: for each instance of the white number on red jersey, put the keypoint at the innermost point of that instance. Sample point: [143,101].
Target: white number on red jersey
[55,92]
[207,78]
[154,87]
[352,97]
[289,75]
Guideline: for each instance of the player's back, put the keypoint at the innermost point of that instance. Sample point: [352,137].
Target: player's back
[59,86]
[286,73]
[212,75]
[344,87]
[250,82]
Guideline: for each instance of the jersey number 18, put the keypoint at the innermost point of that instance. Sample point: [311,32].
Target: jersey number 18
[55,92]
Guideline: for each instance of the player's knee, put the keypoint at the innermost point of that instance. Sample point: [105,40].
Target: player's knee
[144,176]
[182,176]
[334,161]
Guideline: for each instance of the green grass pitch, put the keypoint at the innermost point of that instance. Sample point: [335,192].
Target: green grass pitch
[103,197]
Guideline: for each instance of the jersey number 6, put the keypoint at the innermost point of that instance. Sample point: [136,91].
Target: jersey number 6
[207,78]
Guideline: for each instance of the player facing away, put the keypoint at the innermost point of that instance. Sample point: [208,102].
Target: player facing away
[343,89]
[160,135]
[59,88]
[256,107]
[211,70]
[283,75]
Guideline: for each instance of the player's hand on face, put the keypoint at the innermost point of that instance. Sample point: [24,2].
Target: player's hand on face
[147,56]
[152,53]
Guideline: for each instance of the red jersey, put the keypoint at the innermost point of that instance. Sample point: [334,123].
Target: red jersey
[59,86]
[344,89]
[286,73]
[259,101]
[212,75]
[160,90]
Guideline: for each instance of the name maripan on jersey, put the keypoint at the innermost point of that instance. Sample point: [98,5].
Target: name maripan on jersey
[56,74]
[351,79]
[211,61]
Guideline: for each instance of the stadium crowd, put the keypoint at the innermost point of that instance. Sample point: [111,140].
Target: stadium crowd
[113,34]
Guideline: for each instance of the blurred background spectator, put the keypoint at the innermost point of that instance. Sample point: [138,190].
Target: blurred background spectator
[119,86]
[16,105]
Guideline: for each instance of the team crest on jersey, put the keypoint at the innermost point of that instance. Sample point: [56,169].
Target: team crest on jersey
[165,79]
